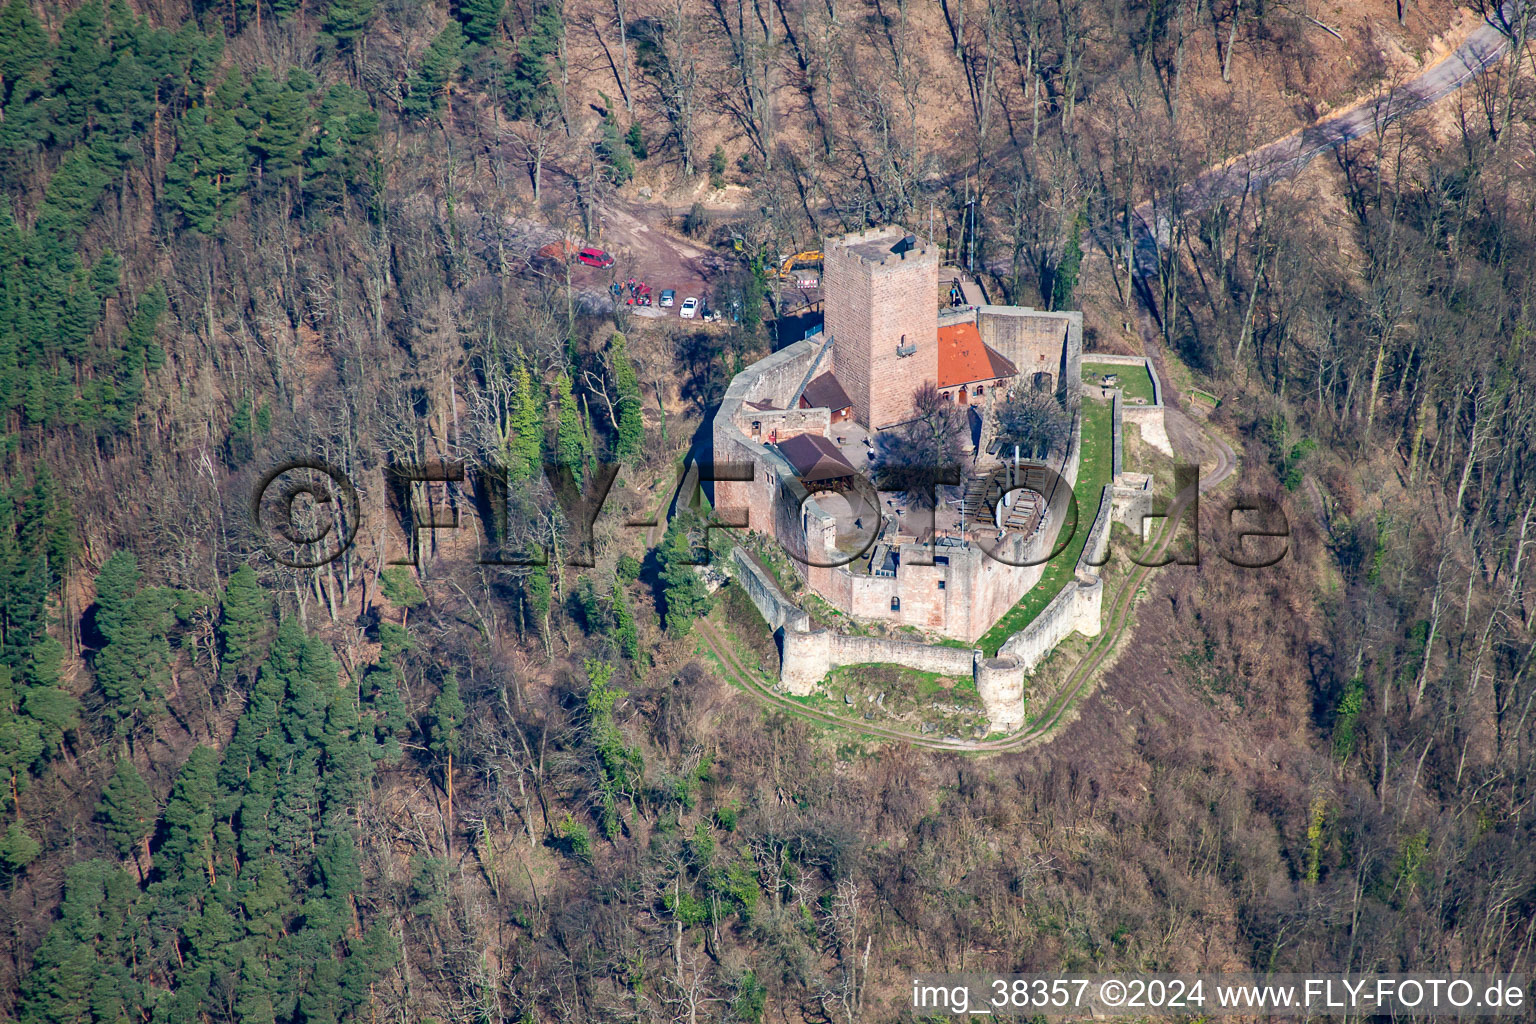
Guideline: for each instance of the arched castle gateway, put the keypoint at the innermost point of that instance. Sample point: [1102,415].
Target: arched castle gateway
[805,419]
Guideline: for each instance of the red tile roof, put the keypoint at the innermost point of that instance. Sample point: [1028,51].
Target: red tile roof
[964,358]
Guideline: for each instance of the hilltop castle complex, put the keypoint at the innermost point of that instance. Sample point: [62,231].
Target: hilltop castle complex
[807,420]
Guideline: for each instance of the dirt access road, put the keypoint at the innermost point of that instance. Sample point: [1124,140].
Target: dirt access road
[1282,158]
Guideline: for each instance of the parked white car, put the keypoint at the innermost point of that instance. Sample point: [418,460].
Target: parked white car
[690,307]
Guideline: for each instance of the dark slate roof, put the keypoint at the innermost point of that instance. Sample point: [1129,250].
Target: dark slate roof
[815,458]
[824,392]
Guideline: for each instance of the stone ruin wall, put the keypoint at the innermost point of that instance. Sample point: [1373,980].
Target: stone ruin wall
[1036,342]
[1151,420]
[785,423]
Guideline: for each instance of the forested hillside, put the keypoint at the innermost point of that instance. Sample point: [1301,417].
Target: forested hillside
[467,787]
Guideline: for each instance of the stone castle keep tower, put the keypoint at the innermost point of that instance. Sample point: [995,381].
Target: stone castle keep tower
[881,289]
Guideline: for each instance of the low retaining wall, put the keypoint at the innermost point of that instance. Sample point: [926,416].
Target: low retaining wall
[1117,448]
[1149,419]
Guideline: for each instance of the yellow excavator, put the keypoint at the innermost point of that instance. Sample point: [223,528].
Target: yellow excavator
[811,257]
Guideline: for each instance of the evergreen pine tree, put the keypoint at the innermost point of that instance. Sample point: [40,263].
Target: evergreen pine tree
[1064,278]
[525,448]
[80,68]
[625,629]
[105,274]
[341,149]
[17,849]
[447,710]
[381,687]
[244,618]
[683,591]
[401,590]
[133,666]
[186,856]
[253,995]
[618,162]
[428,87]
[80,972]
[481,18]
[347,761]
[116,585]
[206,178]
[539,593]
[570,439]
[278,119]
[78,318]
[345,20]
[127,809]
[635,139]
[631,431]
[21,742]
[528,82]
[24,45]
[71,196]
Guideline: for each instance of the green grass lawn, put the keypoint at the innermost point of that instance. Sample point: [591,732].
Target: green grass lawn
[1092,474]
[1135,381]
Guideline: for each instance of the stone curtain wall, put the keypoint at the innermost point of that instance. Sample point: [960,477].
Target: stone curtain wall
[808,656]
[1075,608]
[770,379]
[776,608]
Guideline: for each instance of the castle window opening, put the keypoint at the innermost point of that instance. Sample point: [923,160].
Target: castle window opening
[895,604]
[941,584]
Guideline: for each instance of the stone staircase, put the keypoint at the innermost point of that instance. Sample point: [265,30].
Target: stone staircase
[810,373]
